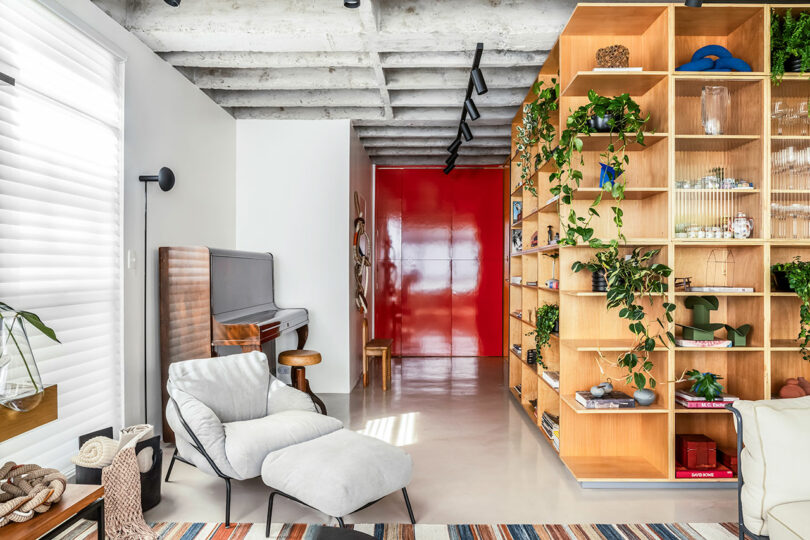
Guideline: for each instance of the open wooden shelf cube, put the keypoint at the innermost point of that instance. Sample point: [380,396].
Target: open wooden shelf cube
[717,426]
[734,311]
[743,373]
[786,365]
[740,29]
[726,266]
[745,113]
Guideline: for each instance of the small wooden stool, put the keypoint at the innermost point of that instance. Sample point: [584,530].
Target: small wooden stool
[298,359]
[377,347]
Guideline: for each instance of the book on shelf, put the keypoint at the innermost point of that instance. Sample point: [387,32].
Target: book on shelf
[552,378]
[688,395]
[517,280]
[618,69]
[701,404]
[700,343]
[611,400]
[721,471]
[720,289]
[519,389]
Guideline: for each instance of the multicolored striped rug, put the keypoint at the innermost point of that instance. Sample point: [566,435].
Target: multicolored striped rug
[248,531]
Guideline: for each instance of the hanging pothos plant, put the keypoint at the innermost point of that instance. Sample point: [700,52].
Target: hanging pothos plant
[545,323]
[797,273]
[629,278]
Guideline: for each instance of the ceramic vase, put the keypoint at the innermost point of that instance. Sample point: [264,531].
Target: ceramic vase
[644,397]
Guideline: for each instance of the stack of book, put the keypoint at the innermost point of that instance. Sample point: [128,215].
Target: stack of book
[611,400]
[703,343]
[519,389]
[551,427]
[690,400]
[552,378]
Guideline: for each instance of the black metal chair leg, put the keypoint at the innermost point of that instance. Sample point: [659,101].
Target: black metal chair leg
[171,465]
[340,522]
[408,504]
[269,515]
[227,503]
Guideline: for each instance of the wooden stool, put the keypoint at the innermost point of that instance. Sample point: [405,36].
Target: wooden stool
[377,347]
[298,359]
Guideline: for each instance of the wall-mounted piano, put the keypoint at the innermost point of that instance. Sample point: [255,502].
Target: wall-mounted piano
[215,298]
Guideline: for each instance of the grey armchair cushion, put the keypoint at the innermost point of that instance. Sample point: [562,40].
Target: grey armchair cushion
[226,402]
[338,473]
[247,443]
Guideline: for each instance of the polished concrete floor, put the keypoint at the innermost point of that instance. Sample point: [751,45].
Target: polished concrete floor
[477,459]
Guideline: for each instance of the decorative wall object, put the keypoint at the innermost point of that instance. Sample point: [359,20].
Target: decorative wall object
[614,56]
[701,329]
[723,60]
[361,246]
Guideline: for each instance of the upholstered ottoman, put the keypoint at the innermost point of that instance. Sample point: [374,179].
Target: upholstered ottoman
[789,521]
[337,474]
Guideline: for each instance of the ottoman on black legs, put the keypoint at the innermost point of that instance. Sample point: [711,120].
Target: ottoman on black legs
[337,474]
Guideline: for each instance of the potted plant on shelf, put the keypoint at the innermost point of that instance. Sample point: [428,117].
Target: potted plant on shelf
[795,276]
[790,44]
[705,384]
[546,322]
[21,387]
[537,128]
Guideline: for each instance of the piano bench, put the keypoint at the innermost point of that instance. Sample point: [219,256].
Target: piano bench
[298,359]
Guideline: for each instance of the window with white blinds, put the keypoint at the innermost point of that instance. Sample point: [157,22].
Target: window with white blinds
[60,218]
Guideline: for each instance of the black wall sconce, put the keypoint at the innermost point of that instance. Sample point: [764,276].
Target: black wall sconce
[164,179]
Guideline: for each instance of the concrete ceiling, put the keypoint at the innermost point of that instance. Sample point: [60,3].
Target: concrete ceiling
[397,68]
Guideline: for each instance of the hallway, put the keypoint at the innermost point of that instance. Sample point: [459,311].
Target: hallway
[477,459]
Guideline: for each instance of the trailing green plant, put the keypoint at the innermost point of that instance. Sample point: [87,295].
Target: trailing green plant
[790,36]
[797,272]
[705,384]
[546,319]
[537,128]
[631,279]
[8,316]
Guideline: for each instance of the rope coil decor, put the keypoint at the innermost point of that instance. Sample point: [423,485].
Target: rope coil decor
[360,241]
[27,490]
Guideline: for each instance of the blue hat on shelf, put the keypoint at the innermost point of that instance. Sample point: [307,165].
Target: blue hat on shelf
[725,61]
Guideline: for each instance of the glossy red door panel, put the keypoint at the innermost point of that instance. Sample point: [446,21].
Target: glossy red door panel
[477,214]
[426,307]
[439,250]
[388,302]
[476,307]
[427,215]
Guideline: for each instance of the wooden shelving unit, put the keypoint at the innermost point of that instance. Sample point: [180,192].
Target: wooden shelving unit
[638,445]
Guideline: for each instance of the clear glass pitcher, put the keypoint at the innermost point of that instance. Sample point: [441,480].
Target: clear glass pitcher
[21,387]
[714,103]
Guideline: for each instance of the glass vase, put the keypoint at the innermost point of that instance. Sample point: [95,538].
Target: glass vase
[21,387]
[714,104]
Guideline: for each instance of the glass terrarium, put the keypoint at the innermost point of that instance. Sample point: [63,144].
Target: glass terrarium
[21,387]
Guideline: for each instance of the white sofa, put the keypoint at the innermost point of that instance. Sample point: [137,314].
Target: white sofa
[775,468]
[228,413]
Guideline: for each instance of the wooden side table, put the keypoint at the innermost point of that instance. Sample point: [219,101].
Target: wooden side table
[78,502]
[298,359]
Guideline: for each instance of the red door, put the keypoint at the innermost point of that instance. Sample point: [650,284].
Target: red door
[439,251]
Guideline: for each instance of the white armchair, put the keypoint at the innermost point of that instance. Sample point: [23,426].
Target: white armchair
[228,413]
[774,468]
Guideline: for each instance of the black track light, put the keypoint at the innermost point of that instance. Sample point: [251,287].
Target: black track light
[173,3]
[351,3]
[472,110]
[453,148]
[451,159]
[449,168]
[466,131]
[479,82]
[693,3]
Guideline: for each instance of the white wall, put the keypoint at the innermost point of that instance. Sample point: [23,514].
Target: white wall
[168,122]
[361,181]
[293,198]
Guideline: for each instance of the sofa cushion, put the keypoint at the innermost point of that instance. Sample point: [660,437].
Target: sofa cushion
[774,431]
[338,473]
[789,521]
[247,443]
[234,387]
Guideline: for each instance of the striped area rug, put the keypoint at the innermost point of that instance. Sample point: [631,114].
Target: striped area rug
[248,531]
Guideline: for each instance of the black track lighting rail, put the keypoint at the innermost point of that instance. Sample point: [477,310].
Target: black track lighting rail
[476,81]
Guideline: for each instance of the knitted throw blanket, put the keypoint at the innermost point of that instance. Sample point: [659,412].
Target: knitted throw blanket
[123,517]
[27,490]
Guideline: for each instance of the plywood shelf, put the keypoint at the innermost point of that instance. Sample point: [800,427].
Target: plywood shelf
[717,349]
[613,83]
[571,401]
[630,193]
[712,143]
[598,142]
[612,468]
[597,345]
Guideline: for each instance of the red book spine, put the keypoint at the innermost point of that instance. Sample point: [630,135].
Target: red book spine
[715,473]
[702,404]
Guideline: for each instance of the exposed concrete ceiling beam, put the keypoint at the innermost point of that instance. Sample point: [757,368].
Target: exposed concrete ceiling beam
[281,79]
[441,79]
[443,60]
[369,18]
[439,142]
[499,97]
[489,115]
[436,151]
[308,113]
[297,98]
[436,160]
[266,60]
[367,132]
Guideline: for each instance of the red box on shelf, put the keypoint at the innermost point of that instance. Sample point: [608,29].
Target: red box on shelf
[728,458]
[696,451]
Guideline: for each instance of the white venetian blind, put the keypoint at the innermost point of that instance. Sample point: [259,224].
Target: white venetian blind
[60,230]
